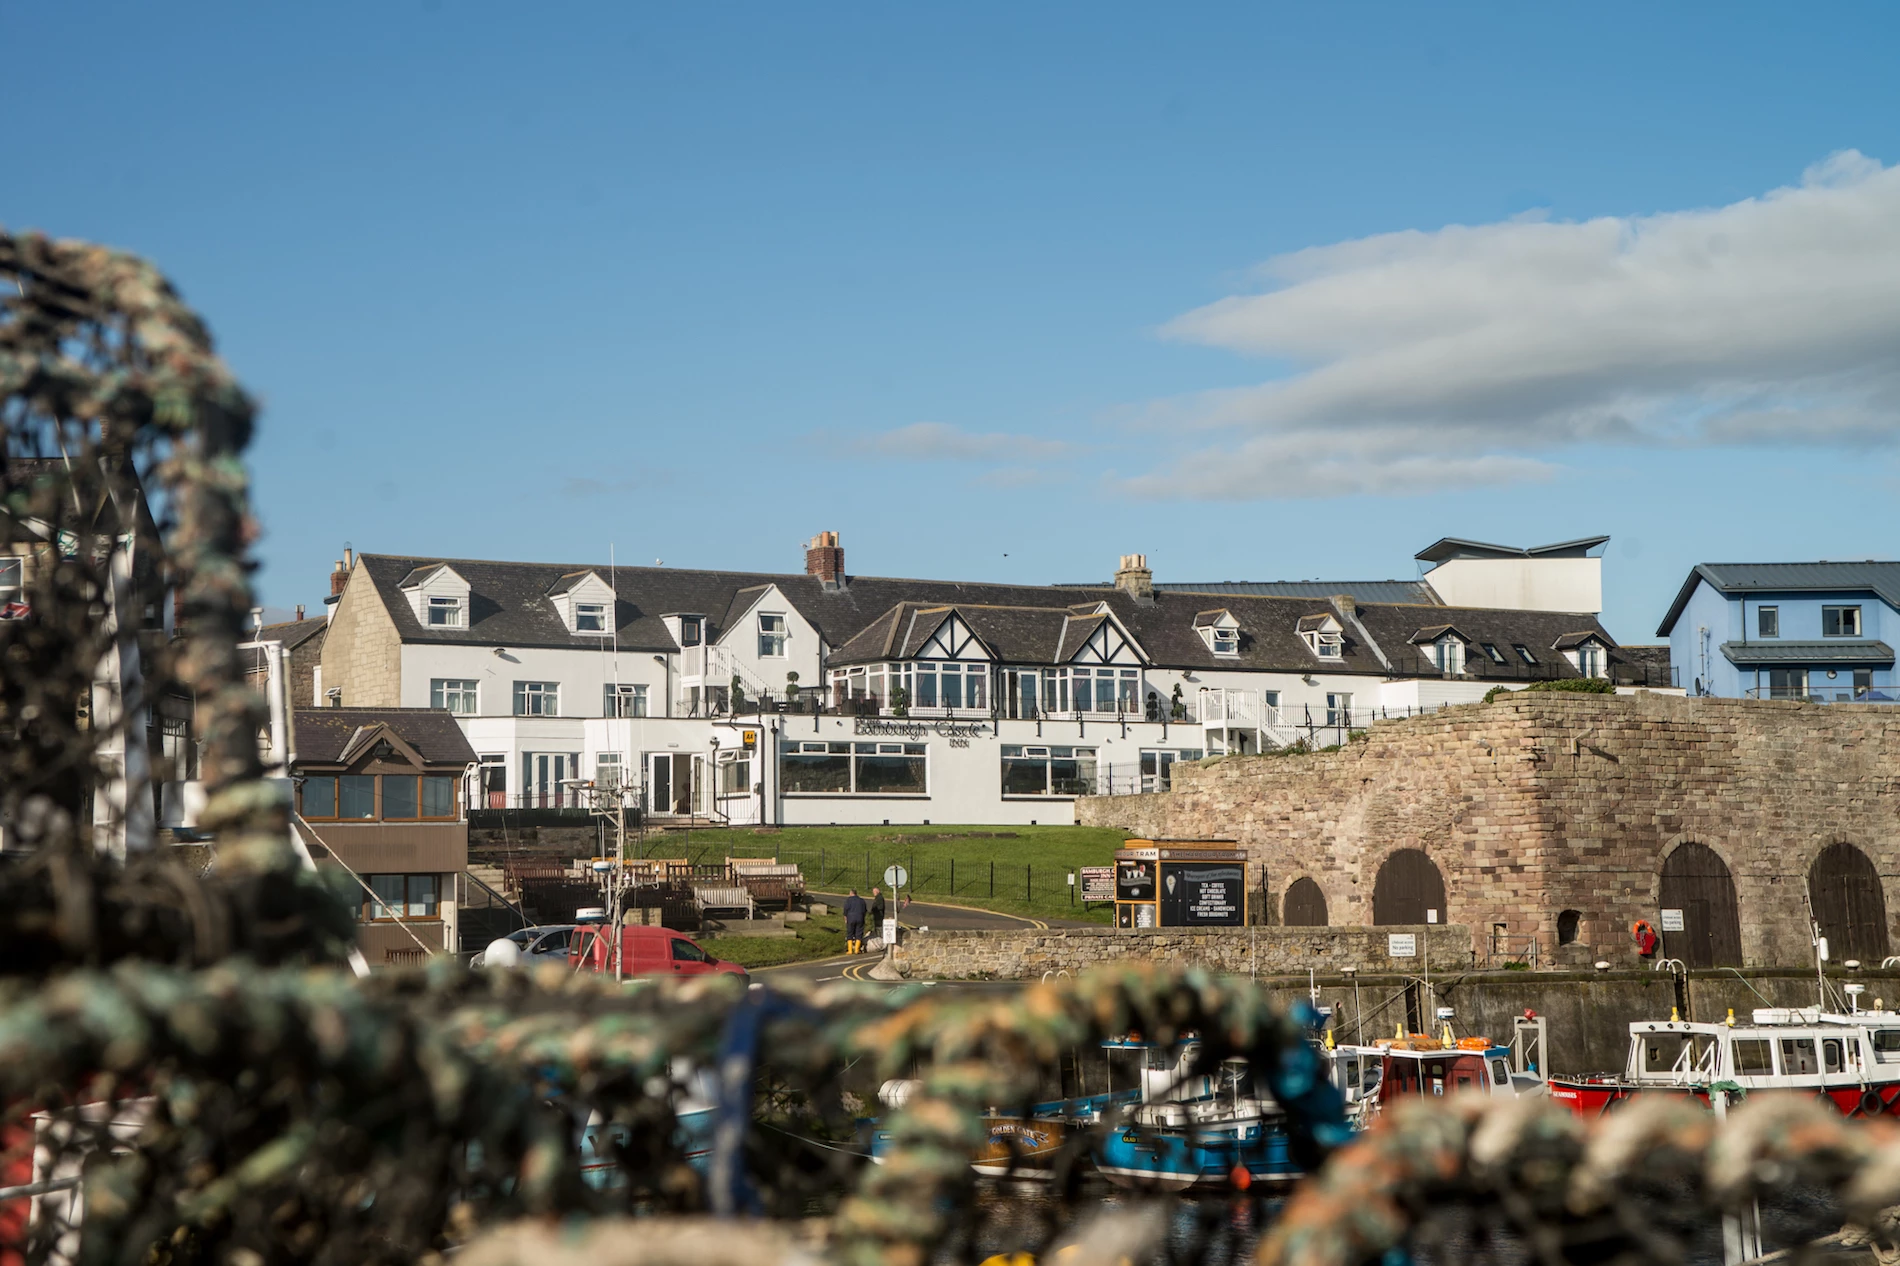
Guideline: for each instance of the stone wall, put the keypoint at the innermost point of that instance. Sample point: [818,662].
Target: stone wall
[1541,802]
[1026,953]
[362,652]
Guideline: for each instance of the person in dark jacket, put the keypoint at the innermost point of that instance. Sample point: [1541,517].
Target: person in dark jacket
[877,912]
[854,912]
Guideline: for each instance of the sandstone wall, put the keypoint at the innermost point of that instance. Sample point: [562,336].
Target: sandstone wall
[1538,803]
[1025,954]
[362,652]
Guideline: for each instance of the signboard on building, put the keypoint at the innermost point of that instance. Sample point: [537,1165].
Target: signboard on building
[1203,894]
[1134,881]
[1672,920]
[1401,944]
[1098,883]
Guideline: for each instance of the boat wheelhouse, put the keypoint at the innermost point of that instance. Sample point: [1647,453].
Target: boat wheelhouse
[1851,1059]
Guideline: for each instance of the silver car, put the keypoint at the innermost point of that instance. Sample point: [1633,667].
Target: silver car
[537,944]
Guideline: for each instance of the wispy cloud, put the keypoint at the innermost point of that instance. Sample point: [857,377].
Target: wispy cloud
[1468,355]
[938,441]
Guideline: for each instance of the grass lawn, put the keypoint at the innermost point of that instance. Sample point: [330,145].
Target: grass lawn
[819,937]
[953,864]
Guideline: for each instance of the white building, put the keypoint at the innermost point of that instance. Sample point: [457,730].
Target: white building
[823,697]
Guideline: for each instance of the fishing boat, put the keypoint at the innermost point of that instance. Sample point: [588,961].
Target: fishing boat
[1849,1059]
[1214,1129]
[1421,1066]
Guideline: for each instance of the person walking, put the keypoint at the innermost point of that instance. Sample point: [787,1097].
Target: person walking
[877,913]
[854,912]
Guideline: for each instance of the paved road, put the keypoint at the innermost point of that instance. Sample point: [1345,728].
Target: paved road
[917,914]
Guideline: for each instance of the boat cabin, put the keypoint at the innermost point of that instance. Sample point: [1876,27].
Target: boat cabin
[1443,1070]
[1783,1047]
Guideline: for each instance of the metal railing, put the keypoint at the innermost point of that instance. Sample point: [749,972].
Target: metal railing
[1827,694]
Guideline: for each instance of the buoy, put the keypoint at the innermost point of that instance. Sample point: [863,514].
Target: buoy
[1673,1017]
[1241,1177]
[1731,1018]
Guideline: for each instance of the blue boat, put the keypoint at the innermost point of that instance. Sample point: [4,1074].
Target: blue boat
[694,1111]
[1218,1129]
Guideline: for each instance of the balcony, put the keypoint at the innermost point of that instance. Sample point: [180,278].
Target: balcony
[1827,694]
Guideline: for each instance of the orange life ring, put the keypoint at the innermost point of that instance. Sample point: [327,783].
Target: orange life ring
[1641,926]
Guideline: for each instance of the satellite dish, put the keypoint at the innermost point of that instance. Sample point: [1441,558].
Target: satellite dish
[501,953]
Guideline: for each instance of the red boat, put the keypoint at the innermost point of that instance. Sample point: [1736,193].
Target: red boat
[1850,1059]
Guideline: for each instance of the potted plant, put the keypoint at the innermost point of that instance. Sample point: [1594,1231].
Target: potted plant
[900,701]
[1178,709]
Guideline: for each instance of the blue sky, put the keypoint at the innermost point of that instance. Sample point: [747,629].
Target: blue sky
[1004,291]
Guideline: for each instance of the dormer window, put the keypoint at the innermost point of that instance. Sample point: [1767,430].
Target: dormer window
[1220,630]
[691,630]
[1324,635]
[1449,655]
[590,617]
[445,613]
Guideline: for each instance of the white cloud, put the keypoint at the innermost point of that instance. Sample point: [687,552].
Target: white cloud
[938,441]
[1432,360]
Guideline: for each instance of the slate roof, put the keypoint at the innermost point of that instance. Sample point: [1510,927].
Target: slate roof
[323,734]
[1393,626]
[292,633]
[1880,579]
[1363,590]
[1844,651]
[509,606]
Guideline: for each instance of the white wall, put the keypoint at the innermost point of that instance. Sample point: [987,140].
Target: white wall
[1523,584]
[582,673]
[803,649]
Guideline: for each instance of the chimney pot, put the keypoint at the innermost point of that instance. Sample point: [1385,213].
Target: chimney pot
[824,558]
[338,578]
[300,613]
[1134,579]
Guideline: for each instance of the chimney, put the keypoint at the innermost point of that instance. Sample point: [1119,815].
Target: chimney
[300,613]
[1134,579]
[338,578]
[1346,605]
[824,558]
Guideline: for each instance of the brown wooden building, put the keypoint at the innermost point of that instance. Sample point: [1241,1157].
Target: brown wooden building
[380,791]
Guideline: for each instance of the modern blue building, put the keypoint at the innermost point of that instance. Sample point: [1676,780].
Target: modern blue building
[1816,631]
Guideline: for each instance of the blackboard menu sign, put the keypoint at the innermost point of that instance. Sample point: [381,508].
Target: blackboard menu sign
[1098,883]
[1134,881]
[1203,894]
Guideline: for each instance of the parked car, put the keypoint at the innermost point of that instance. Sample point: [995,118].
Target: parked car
[645,951]
[532,945]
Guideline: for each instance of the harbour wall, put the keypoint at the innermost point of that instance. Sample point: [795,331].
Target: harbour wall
[1544,806]
[1028,953]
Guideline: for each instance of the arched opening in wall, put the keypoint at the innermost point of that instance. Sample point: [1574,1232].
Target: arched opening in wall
[1409,889]
[1569,924]
[1305,905]
[1696,883]
[1844,889]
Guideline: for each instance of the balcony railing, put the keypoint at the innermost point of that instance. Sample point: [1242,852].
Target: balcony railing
[1828,694]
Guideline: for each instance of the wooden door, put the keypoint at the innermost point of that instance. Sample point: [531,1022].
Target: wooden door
[1844,889]
[1408,887]
[1305,905]
[1696,881]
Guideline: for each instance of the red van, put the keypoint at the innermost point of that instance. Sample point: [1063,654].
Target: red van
[645,951]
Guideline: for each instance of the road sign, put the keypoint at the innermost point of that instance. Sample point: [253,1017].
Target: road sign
[896,877]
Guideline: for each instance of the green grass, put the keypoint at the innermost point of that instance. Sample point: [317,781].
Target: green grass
[1032,863]
[819,937]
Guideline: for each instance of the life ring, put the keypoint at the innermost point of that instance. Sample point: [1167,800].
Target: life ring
[1645,936]
[1871,1104]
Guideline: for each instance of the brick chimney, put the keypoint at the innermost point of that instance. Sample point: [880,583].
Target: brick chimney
[1134,579]
[338,578]
[824,558]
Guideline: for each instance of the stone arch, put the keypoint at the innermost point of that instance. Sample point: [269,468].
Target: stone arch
[1409,885]
[1569,926]
[1697,882]
[1844,891]
[1305,905]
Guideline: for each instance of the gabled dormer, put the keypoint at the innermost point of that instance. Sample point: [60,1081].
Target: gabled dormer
[1588,653]
[1444,646]
[1220,630]
[438,596]
[1324,636]
[953,638]
[585,603]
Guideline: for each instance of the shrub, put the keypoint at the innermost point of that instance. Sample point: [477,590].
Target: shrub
[1563,685]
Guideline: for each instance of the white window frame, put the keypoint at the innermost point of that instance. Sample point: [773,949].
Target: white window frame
[615,695]
[591,617]
[1339,708]
[1449,656]
[450,611]
[537,699]
[1325,645]
[772,643]
[1225,641]
[1590,659]
[461,690]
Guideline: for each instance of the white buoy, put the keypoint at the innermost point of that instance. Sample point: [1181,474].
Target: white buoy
[501,953]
